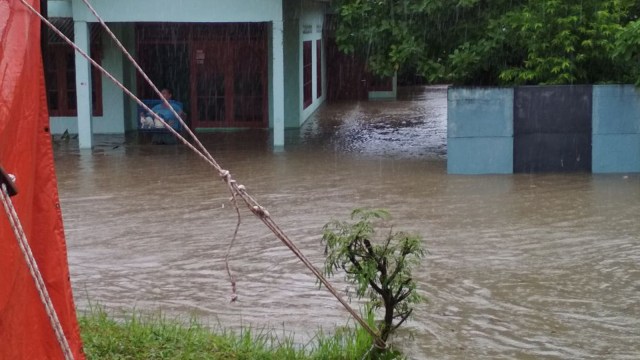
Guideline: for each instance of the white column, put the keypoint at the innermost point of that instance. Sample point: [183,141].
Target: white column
[277,83]
[83,86]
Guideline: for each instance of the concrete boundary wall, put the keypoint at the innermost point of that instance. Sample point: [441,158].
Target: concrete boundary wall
[480,130]
[616,129]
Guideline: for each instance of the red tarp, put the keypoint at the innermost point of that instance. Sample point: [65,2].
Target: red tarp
[25,150]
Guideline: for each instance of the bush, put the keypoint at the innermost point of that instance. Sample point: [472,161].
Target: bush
[379,266]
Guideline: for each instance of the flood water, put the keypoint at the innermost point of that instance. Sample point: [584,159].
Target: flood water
[523,266]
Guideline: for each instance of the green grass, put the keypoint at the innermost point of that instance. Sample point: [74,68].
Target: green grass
[152,337]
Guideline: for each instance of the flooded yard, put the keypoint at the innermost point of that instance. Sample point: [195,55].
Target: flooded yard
[541,266]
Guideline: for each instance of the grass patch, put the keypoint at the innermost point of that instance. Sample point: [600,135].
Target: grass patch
[157,337]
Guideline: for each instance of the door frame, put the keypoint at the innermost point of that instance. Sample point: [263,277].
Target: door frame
[230,58]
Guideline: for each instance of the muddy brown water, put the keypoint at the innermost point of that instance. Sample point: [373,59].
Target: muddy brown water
[524,266]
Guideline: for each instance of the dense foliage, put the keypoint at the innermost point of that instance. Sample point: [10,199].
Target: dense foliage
[495,42]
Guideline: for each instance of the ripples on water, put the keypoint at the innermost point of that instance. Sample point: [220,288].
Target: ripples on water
[522,266]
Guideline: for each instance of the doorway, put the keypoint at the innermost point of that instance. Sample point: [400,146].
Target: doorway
[229,84]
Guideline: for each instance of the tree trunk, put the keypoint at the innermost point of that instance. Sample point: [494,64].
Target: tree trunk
[388,315]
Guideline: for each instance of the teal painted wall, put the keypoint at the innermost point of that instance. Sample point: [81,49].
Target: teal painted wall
[616,129]
[129,76]
[112,96]
[480,131]
[480,155]
[616,153]
[60,124]
[180,10]
[616,109]
[276,86]
[481,112]
[59,8]
[292,49]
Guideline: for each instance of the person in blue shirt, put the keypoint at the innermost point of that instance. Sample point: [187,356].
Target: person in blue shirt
[165,112]
[167,115]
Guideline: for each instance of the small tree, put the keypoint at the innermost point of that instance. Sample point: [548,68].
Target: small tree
[379,266]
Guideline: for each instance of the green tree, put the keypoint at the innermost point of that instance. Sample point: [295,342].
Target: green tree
[627,49]
[380,267]
[563,42]
[494,42]
[380,31]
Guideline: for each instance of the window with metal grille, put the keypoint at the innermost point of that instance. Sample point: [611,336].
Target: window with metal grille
[319,68]
[60,72]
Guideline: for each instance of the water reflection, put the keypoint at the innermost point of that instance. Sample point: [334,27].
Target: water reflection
[522,266]
[412,127]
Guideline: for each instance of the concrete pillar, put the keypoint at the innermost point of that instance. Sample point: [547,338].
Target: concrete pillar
[83,85]
[277,83]
[129,76]
[113,111]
